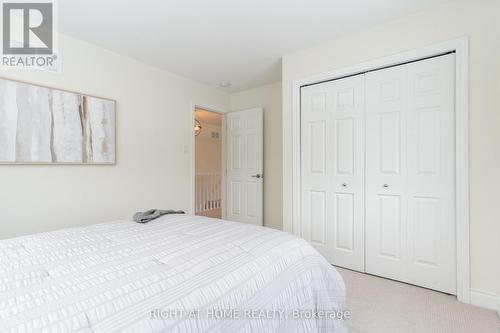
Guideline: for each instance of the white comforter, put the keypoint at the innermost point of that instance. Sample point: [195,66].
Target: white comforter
[175,274]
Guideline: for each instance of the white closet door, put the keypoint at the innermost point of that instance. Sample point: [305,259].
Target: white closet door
[410,194]
[332,164]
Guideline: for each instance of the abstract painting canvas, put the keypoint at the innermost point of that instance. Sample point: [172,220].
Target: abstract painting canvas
[52,126]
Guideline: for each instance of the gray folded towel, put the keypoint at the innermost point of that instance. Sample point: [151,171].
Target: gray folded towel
[144,217]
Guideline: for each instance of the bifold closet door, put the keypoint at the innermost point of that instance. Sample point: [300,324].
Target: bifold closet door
[410,173]
[332,167]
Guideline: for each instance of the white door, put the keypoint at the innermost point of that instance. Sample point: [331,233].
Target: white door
[244,158]
[332,167]
[410,221]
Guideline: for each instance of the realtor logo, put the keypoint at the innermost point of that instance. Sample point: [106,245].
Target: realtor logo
[28,30]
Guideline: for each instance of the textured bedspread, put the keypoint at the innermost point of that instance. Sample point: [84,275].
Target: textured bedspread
[174,274]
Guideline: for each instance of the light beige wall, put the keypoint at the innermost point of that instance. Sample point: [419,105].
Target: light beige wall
[268,97]
[478,19]
[154,127]
[208,149]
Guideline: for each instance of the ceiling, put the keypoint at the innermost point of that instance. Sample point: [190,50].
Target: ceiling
[212,41]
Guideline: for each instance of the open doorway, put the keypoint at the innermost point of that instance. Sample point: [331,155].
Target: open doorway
[208,163]
[228,164]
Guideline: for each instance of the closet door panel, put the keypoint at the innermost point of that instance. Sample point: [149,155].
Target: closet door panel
[410,194]
[316,169]
[332,164]
[347,182]
[386,217]
[431,173]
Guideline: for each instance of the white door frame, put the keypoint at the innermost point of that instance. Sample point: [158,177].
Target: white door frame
[461,49]
[192,151]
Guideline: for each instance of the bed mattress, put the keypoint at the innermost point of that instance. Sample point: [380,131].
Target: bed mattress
[178,273]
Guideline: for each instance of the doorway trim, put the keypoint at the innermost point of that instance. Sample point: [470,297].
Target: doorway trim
[461,48]
[192,152]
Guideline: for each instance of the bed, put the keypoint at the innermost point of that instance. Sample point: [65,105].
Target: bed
[178,273]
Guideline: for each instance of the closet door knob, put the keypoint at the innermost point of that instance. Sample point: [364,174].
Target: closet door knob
[386,185]
[344,185]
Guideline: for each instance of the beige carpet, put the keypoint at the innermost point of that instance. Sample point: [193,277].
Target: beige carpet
[380,305]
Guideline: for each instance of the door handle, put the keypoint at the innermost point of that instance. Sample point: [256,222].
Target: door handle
[386,185]
[258,176]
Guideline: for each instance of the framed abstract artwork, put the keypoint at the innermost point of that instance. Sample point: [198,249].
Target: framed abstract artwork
[42,125]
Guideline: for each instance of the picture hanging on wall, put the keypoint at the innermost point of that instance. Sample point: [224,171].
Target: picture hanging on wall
[41,125]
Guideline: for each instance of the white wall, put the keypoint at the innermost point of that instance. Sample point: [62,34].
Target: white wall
[268,97]
[477,19]
[153,126]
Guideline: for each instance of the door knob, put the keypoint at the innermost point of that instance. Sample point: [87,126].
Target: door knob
[344,185]
[386,185]
[258,176]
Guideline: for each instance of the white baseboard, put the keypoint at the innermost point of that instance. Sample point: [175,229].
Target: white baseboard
[485,299]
